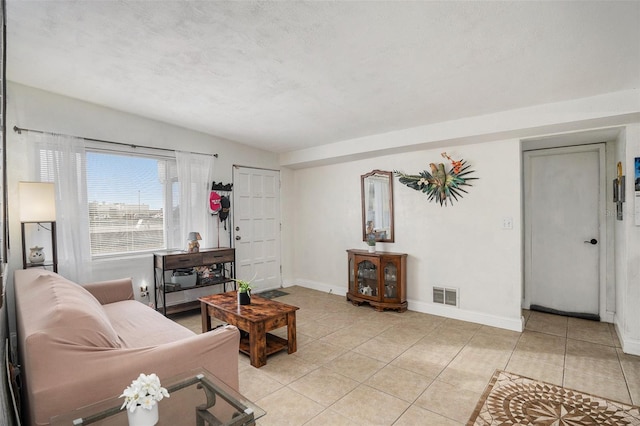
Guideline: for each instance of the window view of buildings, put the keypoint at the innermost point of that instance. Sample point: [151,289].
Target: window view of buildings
[119,228]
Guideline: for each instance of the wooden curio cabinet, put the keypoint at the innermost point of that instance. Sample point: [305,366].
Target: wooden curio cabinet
[378,279]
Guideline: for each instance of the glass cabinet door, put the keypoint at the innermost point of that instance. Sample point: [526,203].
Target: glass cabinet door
[377,279]
[367,279]
[390,281]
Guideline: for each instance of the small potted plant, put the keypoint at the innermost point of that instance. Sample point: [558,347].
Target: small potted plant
[371,242]
[244,292]
[141,399]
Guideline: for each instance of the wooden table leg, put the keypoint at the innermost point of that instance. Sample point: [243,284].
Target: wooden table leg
[291,332]
[206,319]
[258,344]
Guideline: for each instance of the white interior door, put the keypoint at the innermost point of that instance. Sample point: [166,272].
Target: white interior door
[564,228]
[256,218]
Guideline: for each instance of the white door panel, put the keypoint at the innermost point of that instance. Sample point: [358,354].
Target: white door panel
[257,226]
[563,211]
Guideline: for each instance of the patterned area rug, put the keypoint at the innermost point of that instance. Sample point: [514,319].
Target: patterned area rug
[270,294]
[510,399]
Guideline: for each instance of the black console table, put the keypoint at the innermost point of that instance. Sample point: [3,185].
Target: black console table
[169,260]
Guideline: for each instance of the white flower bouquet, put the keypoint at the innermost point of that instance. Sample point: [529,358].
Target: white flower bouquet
[145,392]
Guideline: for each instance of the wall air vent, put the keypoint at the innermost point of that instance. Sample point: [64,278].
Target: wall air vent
[445,296]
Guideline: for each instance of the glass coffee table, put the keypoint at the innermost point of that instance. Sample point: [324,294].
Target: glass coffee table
[196,398]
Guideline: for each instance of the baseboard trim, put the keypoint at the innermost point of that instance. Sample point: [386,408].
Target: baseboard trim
[607,317]
[512,324]
[315,285]
[629,346]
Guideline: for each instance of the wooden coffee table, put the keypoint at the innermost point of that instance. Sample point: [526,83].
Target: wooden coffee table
[257,319]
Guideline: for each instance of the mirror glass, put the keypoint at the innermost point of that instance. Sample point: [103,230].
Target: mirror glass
[377,205]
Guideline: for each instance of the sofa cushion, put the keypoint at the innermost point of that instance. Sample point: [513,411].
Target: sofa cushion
[54,302]
[139,326]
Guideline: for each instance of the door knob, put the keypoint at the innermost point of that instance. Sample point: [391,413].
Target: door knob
[592,241]
[238,238]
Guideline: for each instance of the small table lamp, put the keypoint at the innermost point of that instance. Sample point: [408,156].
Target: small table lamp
[193,245]
[38,204]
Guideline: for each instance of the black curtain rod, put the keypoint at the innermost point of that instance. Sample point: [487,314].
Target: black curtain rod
[19,131]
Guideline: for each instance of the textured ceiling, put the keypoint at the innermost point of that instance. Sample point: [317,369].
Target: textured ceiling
[288,75]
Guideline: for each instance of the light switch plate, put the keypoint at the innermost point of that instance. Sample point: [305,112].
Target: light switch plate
[507,223]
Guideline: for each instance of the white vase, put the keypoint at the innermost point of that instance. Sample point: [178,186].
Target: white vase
[143,417]
[372,249]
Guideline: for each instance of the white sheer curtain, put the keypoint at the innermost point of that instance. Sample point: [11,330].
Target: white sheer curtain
[195,174]
[62,160]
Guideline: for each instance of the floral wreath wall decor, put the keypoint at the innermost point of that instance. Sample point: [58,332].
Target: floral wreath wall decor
[440,185]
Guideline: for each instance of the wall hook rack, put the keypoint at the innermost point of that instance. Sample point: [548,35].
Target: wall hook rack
[221,186]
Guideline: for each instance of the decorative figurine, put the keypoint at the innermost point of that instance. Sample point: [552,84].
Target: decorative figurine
[193,246]
[36,256]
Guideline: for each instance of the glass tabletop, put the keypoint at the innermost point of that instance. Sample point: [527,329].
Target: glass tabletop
[195,398]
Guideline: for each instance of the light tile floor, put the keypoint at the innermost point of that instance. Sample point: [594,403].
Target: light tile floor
[356,366]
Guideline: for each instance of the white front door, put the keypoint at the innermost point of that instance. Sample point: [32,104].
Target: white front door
[564,228]
[256,218]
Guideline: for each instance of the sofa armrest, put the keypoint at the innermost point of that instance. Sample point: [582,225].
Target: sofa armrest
[111,291]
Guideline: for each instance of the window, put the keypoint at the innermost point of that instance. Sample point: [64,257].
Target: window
[128,197]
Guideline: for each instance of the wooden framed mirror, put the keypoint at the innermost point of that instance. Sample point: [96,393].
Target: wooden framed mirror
[377,205]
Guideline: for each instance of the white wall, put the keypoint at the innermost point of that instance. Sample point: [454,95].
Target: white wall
[324,201]
[460,246]
[35,109]
[627,316]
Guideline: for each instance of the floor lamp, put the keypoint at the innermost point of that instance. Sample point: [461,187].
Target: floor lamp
[37,206]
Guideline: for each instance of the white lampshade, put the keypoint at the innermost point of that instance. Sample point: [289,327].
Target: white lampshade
[37,202]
